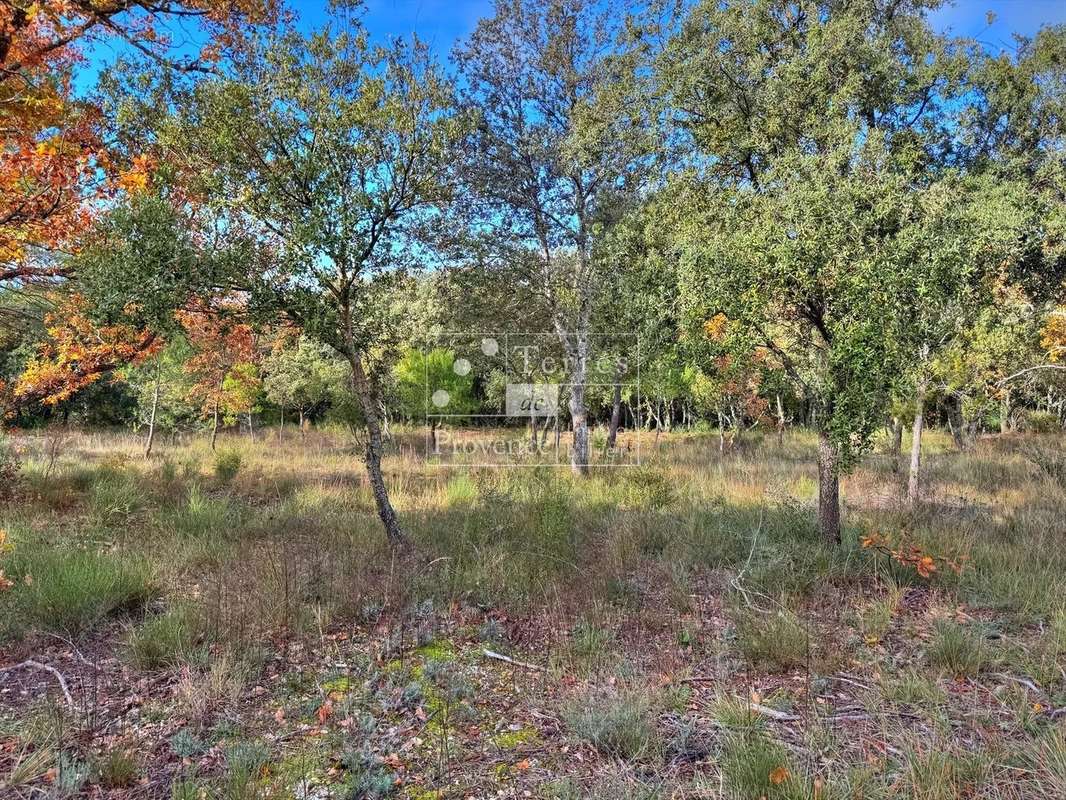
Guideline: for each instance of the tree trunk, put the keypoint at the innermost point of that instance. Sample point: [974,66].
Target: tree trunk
[372,456]
[828,490]
[956,422]
[251,430]
[721,433]
[914,476]
[1004,412]
[780,422]
[433,435]
[895,442]
[214,426]
[579,456]
[532,428]
[151,417]
[283,420]
[301,421]
[616,414]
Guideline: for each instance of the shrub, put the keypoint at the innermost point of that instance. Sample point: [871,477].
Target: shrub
[771,639]
[72,590]
[227,465]
[1041,422]
[10,471]
[956,649]
[617,725]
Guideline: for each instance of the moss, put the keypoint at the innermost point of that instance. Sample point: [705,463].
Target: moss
[440,650]
[341,684]
[509,740]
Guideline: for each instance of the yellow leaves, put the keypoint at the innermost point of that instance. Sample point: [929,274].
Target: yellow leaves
[1053,335]
[714,328]
[136,179]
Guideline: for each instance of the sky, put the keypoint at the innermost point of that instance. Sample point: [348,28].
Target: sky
[441,23]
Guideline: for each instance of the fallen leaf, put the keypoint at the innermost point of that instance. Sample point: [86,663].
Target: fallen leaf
[779,775]
[324,712]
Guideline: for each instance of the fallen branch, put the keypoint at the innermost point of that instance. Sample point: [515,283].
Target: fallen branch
[30,663]
[509,660]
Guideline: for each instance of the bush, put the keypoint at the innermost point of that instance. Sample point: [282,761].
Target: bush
[1041,422]
[72,590]
[617,725]
[227,465]
[10,472]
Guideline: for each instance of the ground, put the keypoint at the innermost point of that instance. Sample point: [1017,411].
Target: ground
[233,625]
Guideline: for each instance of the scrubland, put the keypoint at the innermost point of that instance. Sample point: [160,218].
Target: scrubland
[233,625]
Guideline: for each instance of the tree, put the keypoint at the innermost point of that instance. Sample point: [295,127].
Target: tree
[428,384]
[55,163]
[78,352]
[559,140]
[300,375]
[337,154]
[223,349]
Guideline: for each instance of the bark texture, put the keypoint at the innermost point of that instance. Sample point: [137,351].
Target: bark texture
[828,490]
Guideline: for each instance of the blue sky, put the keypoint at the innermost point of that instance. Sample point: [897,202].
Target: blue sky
[441,23]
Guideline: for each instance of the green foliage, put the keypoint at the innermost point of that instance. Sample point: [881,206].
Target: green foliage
[302,375]
[420,375]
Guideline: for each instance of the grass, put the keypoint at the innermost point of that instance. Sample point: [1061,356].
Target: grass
[164,640]
[654,612]
[957,649]
[775,639]
[71,590]
[618,725]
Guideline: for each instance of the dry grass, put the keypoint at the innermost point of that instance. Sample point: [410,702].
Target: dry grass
[693,587]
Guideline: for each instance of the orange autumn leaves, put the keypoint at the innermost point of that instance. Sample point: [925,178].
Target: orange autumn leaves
[910,555]
[77,353]
[54,165]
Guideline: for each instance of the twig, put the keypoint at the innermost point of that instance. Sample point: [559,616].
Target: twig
[29,662]
[509,660]
[1028,684]
[773,713]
